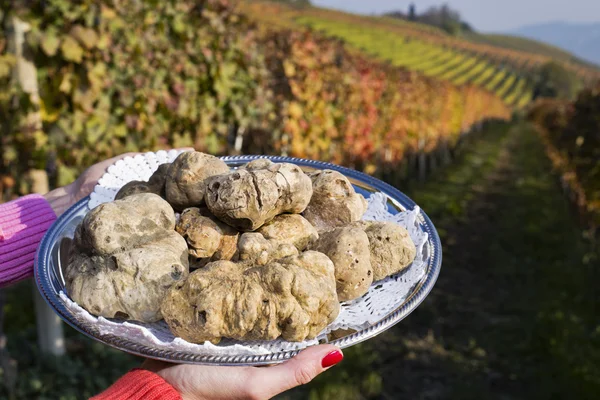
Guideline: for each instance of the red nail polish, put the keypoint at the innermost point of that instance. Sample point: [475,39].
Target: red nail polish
[332,358]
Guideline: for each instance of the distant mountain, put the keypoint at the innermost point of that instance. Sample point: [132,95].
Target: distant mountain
[583,40]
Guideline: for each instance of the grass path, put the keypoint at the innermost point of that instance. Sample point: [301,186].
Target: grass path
[512,315]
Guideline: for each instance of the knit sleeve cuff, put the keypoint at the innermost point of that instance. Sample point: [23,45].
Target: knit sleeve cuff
[139,384]
[23,223]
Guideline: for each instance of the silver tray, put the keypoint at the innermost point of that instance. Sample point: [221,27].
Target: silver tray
[55,243]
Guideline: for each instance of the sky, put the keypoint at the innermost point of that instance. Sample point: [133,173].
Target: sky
[486,15]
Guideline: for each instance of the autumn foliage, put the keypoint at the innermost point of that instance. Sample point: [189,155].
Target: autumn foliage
[140,75]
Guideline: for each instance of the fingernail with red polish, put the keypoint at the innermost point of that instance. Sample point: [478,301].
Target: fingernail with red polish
[332,358]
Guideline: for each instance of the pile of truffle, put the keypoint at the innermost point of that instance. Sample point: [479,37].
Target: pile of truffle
[259,252]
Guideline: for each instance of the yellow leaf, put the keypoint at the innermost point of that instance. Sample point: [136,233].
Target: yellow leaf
[120,131]
[48,115]
[65,83]
[295,110]
[108,13]
[85,36]
[370,169]
[71,50]
[289,68]
[40,138]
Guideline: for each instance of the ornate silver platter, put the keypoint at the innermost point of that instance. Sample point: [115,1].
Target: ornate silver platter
[387,302]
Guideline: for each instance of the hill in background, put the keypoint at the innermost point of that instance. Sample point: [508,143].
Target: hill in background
[438,44]
[583,40]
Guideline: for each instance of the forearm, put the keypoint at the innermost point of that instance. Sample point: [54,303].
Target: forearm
[59,199]
[23,223]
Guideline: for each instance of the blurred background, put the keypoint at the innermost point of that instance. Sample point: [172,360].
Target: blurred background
[486,113]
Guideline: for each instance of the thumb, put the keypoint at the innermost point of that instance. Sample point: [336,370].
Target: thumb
[298,371]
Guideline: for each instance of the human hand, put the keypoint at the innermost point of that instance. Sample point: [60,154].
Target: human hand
[203,382]
[62,198]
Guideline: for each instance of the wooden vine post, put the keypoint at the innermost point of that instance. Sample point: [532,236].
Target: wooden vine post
[49,325]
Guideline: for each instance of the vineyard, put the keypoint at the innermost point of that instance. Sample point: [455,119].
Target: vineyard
[503,71]
[428,58]
[571,133]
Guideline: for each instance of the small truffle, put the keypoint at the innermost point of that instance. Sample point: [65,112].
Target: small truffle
[125,256]
[208,238]
[293,297]
[334,202]
[248,197]
[156,184]
[392,250]
[185,182]
[348,248]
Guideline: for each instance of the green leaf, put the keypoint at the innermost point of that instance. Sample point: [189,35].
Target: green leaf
[4,70]
[71,50]
[103,42]
[178,24]
[66,175]
[120,131]
[94,129]
[50,42]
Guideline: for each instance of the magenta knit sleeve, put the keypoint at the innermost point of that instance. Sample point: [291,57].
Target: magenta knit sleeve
[23,223]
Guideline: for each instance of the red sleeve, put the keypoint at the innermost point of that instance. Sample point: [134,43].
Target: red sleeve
[139,384]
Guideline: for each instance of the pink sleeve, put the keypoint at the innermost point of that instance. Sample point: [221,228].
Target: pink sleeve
[23,223]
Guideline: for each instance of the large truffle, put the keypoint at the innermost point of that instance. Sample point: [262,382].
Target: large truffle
[156,184]
[334,202]
[293,297]
[185,183]
[248,197]
[125,256]
[208,238]
[348,248]
[392,250]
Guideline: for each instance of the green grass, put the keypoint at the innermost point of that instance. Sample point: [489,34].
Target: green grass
[517,92]
[524,99]
[496,79]
[506,85]
[437,70]
[473,73]
[451,68]
[422,62]
[457,73]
